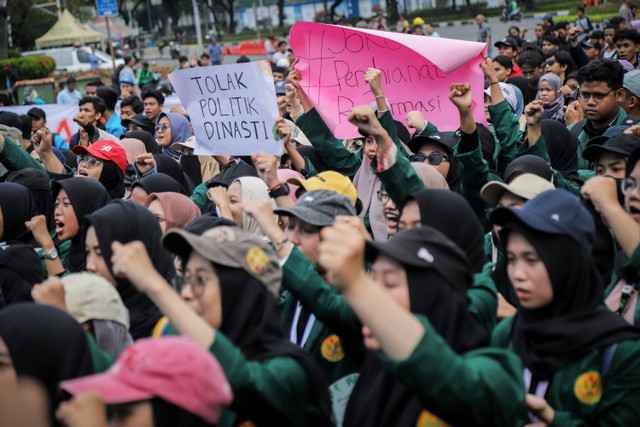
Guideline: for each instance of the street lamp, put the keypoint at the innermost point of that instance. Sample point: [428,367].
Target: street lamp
[4,33]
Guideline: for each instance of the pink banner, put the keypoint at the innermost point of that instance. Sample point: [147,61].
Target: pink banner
[416,73]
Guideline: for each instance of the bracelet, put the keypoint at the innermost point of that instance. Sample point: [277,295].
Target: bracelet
[494,83]
[275,187]
[280,245]
[380,96]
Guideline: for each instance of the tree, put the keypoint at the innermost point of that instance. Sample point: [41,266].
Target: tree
[228,6]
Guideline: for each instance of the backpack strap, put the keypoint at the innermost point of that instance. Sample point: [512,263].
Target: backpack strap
[607,358]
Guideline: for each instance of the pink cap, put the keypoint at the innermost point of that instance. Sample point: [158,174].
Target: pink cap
[284,175]
[105,150]
[174,369]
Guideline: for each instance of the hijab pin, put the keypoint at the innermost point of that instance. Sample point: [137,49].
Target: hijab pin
[425,255]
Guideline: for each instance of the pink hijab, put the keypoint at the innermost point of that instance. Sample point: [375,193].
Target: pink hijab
[179,210]
[133,147]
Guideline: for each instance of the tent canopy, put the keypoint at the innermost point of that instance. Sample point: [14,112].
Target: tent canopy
[119,30]
[67,31]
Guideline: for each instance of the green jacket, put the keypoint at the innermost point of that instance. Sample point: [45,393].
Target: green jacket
[483,387]
[584,137]
[279,383]
[507,130]
[14,157]
[325,341]
[632,265]
[581,395]
[101,359]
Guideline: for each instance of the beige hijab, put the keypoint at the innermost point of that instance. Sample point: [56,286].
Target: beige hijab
[133,147]
[430,176]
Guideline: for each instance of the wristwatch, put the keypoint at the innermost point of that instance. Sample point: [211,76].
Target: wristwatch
[282,190]
[50,255]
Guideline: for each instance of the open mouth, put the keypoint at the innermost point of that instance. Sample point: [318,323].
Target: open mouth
[392,220]
[82,172]
[59,227]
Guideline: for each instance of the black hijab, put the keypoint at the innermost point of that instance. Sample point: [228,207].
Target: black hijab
[574,323]
[528,93]
[562,148]
[147,139]
[17,207]
[126,222]
[169,166]
[451,215]
[20,269]
[86,195]
[435,291]
[310,153]
[113,179]
[46,344]
[207,222]
[251,321]
[37,181]
[160,183]
[529,164]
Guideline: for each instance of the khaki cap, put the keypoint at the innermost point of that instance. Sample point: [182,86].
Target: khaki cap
[526,186]
[91,297]
[231,247]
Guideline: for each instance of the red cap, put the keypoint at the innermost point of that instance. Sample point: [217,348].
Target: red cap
[105,150]
[174,369]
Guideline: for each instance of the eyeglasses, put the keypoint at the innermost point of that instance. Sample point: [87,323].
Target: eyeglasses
[383,197]
[629,185]
[91,162]
[162,128]
[434,158]
[196,282]
[597,97]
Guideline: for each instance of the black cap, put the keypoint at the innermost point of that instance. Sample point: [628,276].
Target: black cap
[71,79]
[11,119]
[37,113]
[401,131]
[142,121]
[444,139]
[621,143]
[507,41]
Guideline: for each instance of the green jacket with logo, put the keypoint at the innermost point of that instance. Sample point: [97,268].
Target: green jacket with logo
[581,394]
[483,387]
[326,341]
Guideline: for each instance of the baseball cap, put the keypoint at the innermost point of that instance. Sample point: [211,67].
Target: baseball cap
[71,79]
[632,82]
[319,207]
[142,121]
[105,150]
[401,131]
[37,113]
[91,297]
[126,78]
[507,41]
[626,65]
[418,21]
[189,143]
[586,43]
[446,140]
[11,119]
[231,247]
[328,180]
[526,186]
[619,143]
[554,212]
[280,89]
[509,94]
[174,369]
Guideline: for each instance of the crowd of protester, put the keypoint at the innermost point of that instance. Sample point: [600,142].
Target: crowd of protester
[483,277]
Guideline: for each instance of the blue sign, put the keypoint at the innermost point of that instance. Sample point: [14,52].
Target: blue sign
[107,7]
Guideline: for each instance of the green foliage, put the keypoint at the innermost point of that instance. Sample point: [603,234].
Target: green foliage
[14,53]
[28,67]
[597,17]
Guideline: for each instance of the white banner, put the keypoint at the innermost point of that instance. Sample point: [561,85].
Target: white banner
[59,117]
[232,107]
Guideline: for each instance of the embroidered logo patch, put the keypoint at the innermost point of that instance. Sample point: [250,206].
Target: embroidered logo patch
[332,349]
[588,388]
[427,419]
[257,260]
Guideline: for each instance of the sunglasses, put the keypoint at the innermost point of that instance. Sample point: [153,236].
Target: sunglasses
[162,128]
[434,158]
[550,62]
[92,162]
